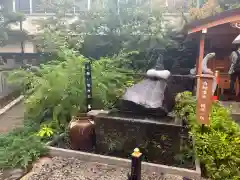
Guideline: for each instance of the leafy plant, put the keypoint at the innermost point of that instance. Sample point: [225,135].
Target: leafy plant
[229,4]
[45,131]
[57,91]
[209,8]
[22,79]
[7,17]
[16,151]
[105,32]
[217,145]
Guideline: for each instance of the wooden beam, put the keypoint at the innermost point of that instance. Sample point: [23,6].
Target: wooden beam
[200,58]
[201,53]
[215,23]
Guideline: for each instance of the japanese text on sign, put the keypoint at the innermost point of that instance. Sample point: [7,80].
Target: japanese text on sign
[204,99]
[204,89]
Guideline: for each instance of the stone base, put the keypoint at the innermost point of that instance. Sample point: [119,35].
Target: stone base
[159,140]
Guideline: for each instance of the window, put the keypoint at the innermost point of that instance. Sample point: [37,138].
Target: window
[7,4]
[49,8]
[81,5]
[200,2]
[38,6]
[76,7]
[174,5]
[23,6]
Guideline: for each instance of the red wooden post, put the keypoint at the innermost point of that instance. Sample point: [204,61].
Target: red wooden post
[204,87]
[200,58]
[201,52]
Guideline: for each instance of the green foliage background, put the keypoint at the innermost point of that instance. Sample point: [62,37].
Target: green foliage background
[56,91]
[125,40]
[217,145]
[106,32]
[7,18]
[20,147]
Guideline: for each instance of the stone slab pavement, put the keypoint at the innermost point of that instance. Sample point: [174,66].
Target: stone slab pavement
[12,118]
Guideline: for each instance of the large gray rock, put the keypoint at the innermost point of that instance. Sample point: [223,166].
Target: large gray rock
[155,96]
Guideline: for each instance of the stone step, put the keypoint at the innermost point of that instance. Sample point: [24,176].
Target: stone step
[235,108]
[236,117]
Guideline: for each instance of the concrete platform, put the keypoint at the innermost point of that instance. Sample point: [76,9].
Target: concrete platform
[235,107]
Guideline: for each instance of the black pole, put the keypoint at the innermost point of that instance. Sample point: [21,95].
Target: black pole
[88,82]
[136,165]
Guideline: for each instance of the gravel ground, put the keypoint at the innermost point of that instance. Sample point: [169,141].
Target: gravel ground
[74,169]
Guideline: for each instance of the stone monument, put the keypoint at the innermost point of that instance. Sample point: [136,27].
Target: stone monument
[141,118]
[155,94]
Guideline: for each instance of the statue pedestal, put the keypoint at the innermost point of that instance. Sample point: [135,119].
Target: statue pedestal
[159,140]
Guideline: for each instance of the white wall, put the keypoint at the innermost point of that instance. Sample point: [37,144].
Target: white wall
[16,48]
[11,48]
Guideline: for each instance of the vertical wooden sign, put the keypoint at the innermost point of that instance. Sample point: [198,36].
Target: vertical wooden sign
[204,98]
[88,82]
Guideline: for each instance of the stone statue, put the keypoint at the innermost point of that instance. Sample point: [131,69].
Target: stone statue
[158,72]
[149,96]
[159,63]
[205,69]
[155,94]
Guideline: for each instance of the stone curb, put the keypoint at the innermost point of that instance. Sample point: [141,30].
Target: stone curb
[89,157]
[27,176]
[11,104]
[37,166]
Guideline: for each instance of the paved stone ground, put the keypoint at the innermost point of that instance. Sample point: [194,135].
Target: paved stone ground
[12,118]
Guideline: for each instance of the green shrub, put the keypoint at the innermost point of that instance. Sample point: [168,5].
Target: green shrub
[45,133]
[19,148]
[217,145]
[57,91]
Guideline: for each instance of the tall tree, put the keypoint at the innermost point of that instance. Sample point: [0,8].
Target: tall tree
[116,27]
[229,4]
[209,8]
[7,18]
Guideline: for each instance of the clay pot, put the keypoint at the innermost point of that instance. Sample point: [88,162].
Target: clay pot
[82,133]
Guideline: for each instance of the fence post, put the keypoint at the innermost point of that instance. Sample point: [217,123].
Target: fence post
[136,165]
